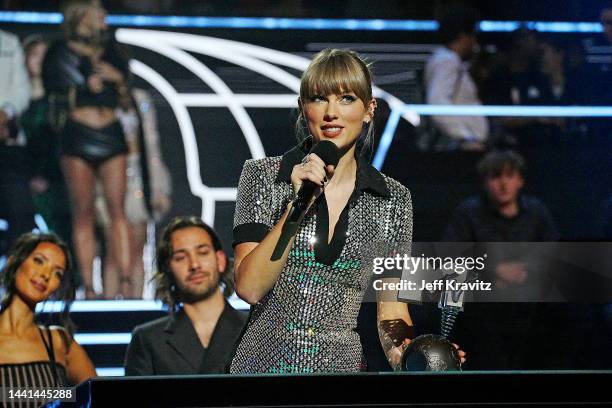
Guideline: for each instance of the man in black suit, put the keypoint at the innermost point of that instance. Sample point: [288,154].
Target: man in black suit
[199,335]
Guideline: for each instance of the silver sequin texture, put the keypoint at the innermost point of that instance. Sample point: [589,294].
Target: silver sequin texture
[307,322]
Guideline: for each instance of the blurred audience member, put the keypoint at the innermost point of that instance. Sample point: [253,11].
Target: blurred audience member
[497,334]
[15,91]
[449,82]
[530,73]
[47,184]
[34,355]
[594,76]
[553,67]
[85,75]
[139,120]
[16,208]
[591,80]
[199,335]
[502,213]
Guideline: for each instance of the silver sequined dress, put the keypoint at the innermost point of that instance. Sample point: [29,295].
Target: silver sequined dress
[307,322]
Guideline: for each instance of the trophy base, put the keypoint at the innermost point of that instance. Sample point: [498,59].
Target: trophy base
[430,352]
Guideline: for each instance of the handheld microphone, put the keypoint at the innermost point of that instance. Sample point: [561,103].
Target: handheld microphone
[329,153]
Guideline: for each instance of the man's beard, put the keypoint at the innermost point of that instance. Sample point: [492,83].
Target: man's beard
[188,295]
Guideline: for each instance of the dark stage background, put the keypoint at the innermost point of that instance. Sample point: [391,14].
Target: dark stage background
[570,175]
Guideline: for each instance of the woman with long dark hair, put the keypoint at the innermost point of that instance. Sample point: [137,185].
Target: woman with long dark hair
[33,355]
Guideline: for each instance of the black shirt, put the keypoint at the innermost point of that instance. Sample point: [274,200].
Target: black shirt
[497,335]
[477,220]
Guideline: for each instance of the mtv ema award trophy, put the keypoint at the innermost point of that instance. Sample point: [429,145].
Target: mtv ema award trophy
[432,352]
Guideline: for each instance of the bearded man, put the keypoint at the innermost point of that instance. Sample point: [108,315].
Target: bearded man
[199,335]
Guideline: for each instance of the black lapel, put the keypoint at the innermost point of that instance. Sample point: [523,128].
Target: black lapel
[227,330]
[184,340]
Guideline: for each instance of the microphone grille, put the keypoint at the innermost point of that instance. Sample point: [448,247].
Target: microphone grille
[327,151]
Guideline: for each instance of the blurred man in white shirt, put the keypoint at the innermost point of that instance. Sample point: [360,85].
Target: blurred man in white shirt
[448,82]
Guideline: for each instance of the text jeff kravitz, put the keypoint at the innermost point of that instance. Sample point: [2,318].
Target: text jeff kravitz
[437,285]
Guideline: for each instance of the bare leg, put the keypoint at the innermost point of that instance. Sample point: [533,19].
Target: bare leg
[80,179]
[139,238]
[113,177]
[110,271]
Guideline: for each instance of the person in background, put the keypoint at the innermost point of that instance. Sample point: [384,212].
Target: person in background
[85,75]
[449,82]
[497,333]
[139,121]
[34,355]
[16,208]
[590,80]
[198,336]
[502,213]
[49,190]
[553,66]
[530,73]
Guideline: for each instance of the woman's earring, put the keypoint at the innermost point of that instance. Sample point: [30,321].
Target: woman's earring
[372,108]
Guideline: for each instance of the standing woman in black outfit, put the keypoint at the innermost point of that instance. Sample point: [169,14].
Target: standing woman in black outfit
[84,76]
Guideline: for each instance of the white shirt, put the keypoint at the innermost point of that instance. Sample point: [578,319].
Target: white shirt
[14,83]
[448,82]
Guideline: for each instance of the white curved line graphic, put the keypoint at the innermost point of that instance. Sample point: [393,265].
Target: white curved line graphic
[226,50]
[147,39]
[208,195]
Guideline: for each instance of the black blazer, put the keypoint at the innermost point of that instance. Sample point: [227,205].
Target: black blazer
[170,346]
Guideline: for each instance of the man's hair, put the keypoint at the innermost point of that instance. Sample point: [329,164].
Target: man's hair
[165,285]
[496,162]
[455,20]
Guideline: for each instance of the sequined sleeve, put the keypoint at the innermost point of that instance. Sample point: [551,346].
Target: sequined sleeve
[404,219]
[253,214]
[400,239]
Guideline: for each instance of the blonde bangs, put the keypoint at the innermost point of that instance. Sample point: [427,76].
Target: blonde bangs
[336,72]
[73,11]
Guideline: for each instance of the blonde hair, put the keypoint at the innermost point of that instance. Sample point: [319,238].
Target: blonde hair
[333,71]
[73,11]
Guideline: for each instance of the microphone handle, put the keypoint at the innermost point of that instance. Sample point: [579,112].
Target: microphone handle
[290,227]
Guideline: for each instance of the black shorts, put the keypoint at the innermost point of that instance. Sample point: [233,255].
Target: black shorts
[94,145]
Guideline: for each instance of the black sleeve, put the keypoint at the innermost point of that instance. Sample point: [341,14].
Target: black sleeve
[459,228]
[253,213]
[62,69]
[137,357]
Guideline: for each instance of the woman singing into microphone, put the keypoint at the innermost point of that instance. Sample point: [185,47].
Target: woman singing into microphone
[305,304]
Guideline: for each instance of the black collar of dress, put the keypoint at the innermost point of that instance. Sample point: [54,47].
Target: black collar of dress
[368,178]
